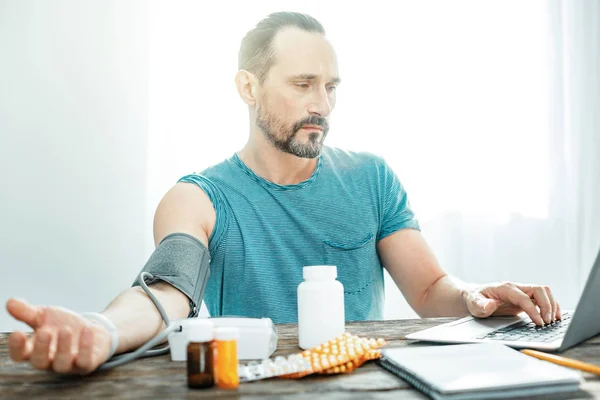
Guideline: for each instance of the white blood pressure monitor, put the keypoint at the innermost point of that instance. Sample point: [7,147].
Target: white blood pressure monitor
[257,341]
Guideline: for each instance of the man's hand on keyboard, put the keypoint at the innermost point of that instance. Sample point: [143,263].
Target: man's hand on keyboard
[507,298]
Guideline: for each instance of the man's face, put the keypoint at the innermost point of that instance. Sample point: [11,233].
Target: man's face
[298,93]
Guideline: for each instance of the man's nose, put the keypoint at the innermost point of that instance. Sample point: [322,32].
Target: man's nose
[320,104]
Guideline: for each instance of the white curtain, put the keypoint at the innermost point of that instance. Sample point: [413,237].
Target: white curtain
[487,111]
[575,132]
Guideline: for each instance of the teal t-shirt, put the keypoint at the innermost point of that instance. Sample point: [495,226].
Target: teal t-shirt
[265,233]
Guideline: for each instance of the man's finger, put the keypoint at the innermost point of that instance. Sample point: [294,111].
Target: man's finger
[40,356]
[63,361]
[480,306]
[24,312]
[19,346]
[558,312]
[543,302]
[552,302]
[516,296]
[84,361]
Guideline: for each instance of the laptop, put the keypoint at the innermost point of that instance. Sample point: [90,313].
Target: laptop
[520,332]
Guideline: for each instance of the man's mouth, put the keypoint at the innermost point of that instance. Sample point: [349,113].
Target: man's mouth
[313,128]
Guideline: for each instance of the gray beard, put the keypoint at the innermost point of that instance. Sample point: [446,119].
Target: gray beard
[291,144]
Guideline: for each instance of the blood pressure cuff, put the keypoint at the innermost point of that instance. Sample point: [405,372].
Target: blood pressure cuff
[184,262]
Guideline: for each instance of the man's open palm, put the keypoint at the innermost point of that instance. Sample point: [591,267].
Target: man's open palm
[62,341]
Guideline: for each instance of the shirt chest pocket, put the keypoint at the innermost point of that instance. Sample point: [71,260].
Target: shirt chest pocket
[355,259]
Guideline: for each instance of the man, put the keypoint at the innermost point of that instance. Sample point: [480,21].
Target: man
[284,201]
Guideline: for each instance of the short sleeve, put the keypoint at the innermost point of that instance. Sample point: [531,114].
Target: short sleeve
[396,211]
[219,203]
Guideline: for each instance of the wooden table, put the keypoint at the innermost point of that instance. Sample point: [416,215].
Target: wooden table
[160,378]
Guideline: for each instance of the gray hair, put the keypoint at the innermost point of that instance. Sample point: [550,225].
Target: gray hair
[256,51]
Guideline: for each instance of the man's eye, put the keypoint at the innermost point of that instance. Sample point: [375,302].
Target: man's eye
[302,85]
[331,88]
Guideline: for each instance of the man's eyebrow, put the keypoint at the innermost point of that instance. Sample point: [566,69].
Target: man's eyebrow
[312,77]
[305,77]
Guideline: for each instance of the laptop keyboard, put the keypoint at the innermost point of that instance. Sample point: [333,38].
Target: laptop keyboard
[530,332]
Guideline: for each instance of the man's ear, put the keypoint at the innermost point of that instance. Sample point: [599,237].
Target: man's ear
[247,86]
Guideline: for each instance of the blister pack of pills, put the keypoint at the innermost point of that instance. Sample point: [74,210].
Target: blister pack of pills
[270,367]
[340,355]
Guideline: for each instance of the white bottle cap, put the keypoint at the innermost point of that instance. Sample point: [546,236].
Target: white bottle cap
[229,333]
[319,272]
[200,330]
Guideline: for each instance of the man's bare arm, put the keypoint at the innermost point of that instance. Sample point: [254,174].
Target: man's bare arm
[185,209]
[415,270]
[67,343]
[432,293]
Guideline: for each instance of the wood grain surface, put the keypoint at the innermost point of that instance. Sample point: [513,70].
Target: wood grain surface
[159,377]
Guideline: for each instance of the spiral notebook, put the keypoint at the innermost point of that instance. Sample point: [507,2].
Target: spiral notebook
[477,371]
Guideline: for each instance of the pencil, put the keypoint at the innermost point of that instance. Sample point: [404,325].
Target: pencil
[567,362]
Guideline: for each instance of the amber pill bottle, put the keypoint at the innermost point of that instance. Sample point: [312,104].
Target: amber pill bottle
[200,367]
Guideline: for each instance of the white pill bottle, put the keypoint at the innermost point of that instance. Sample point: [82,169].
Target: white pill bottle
[320,306]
